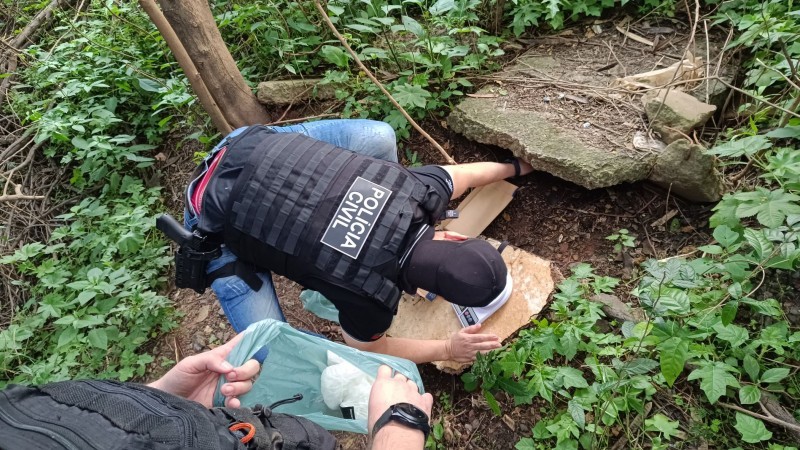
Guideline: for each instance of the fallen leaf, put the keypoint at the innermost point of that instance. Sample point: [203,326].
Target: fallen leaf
[201,315]
[509,422]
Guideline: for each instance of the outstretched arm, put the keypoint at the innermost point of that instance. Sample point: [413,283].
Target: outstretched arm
[471,175]
[462,346]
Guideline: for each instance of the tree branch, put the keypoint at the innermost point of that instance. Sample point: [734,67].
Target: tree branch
[770,418]
[361,65]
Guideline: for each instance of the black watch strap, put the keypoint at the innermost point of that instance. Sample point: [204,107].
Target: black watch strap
[515,162]
[405,414]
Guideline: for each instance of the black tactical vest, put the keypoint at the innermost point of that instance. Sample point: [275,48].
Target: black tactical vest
[108,415]
[304,209]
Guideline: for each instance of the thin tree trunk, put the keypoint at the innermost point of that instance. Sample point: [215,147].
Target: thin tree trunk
[194,25]
[199,87]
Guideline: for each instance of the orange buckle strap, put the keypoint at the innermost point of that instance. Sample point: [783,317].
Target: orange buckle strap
[244,425]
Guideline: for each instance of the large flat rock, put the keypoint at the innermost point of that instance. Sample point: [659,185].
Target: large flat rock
[562,107]
[548,146]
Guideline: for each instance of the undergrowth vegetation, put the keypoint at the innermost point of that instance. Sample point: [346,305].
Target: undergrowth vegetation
[711,326]
[102,93]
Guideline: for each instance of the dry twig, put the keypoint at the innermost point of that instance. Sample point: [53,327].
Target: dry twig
[361,65]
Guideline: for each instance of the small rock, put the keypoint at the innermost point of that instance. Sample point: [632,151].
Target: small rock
[642,141]
[198,342]
[675,114]
[221,311]
[615,308]
[208,330]
[687,171]
[284,92]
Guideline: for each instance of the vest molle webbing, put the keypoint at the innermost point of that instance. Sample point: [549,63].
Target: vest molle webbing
[302,207]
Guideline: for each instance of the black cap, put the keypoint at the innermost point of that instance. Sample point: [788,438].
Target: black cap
[467,273]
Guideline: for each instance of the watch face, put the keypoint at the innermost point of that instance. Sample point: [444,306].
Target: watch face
[412,412]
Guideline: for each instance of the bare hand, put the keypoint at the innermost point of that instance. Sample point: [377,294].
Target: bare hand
[466,343]
[196,377]
[389,390]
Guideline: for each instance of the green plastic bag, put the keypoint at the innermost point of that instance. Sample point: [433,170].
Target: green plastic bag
[317,304]
[294,365]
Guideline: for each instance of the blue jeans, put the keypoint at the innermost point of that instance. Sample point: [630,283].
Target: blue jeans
[243,305]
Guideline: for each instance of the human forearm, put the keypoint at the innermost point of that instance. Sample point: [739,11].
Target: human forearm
[398,437]
[471,175]
[417,350]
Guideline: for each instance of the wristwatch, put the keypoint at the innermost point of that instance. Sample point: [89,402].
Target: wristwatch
[405,414]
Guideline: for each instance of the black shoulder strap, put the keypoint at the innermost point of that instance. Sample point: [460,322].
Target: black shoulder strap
[247,272]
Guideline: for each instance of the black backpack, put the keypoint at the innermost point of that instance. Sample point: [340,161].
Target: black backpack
[112,415]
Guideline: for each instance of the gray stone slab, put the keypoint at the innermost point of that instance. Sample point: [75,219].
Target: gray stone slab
[547,146]
[561,108]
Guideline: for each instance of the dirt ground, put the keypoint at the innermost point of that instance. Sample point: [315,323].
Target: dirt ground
[549,217]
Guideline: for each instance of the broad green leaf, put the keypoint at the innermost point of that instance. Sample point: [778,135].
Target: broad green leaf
[67,336]
[149,85]
[526,444]
[769,207]
[725,236]
[662,424]
[746,146]
[493,405]
[572,377]
[511,363]
[637,366]
[734,334]
[785,132]
[749,394]
[673,354]
[514,388]
[576,411]
[409,95]
[753,430]
[538,385]
[761,245]
[441,7]
[751,367]
[334,55]
[728,312]
[413,26]
[774,375]
[714,379]
[98,338]
[470,381]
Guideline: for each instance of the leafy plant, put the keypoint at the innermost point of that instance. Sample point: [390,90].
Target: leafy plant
[622,239]
[100,93]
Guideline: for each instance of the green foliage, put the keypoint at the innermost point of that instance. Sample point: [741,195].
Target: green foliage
[100,94]
[706,327]
[622,239]
[422,51]
[770,30]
